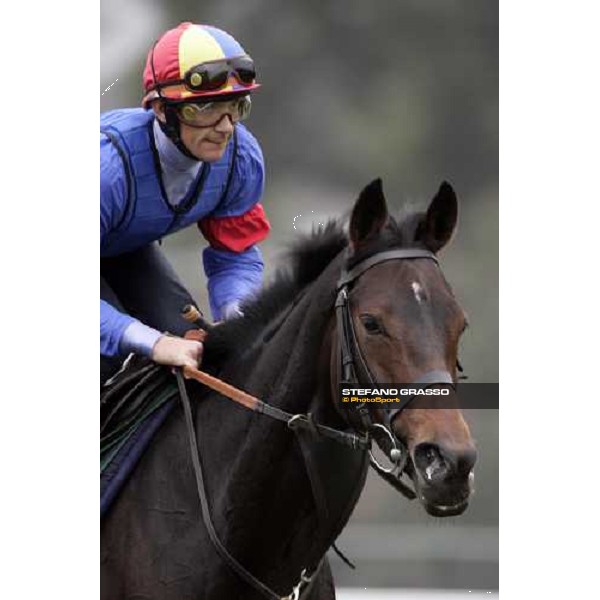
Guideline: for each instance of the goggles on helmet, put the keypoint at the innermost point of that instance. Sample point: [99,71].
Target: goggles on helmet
[210,114]
[210,76]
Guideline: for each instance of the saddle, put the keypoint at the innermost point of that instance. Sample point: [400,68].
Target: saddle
[133,406]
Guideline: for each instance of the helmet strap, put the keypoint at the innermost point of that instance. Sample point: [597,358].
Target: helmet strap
[172,129]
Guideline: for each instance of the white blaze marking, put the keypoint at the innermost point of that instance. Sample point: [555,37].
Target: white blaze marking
[417,290]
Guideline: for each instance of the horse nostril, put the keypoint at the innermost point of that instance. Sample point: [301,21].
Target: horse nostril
[436,462]
[430,461]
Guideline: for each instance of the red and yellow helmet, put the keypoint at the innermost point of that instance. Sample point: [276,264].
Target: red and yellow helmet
[197,61]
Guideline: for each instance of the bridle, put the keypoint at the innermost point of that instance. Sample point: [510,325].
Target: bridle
[353,369]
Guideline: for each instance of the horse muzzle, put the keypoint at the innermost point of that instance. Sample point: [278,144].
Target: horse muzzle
[443,478]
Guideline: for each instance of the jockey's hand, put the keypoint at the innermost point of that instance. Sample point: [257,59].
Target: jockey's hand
[177,352]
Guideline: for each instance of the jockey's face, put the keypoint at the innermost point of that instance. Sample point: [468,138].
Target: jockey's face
[206,144]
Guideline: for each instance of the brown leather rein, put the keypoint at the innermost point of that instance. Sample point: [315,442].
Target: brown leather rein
[292,420]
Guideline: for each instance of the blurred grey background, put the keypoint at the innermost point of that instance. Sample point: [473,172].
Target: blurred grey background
[352,90]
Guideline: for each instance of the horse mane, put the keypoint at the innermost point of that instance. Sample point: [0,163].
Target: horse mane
[307,258]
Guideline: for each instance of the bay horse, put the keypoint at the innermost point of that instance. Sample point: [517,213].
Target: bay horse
[370,303]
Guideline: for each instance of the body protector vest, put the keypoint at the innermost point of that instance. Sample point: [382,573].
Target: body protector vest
[143,214]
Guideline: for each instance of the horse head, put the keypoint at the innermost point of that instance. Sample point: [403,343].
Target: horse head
[406,323]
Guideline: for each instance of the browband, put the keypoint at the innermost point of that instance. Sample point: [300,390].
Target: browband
[349,276]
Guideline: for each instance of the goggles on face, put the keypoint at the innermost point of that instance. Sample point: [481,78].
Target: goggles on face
[210,76]
[209,114]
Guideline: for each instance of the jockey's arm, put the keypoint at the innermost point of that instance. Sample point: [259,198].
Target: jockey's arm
[114,325]
[120,333]
[232,277]
[233,262]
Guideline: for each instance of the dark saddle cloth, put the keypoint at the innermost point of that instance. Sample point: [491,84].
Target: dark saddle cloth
[133,406]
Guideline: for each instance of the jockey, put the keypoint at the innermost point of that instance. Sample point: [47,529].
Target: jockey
[183,158]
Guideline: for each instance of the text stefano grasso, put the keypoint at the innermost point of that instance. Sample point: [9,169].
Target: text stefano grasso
[397,391]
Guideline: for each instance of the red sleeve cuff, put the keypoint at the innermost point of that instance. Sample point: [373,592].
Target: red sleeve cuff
[236,233]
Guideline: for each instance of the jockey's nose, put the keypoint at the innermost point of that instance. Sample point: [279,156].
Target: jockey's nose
[225,125]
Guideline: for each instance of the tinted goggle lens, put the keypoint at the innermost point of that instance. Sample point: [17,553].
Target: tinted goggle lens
[212,76]
[244,69]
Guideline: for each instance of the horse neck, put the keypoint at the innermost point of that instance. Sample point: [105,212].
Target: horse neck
[265,503]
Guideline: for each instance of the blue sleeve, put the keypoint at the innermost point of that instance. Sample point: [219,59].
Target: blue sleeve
[231,276]
[112,326]
[233,263]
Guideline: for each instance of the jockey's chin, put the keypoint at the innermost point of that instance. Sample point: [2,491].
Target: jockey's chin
[208,150]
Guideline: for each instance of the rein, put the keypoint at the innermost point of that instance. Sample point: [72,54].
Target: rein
[293,421]
[296,423]
[306,429]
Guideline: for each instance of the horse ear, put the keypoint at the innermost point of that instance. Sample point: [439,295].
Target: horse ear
[369,215]
[439,223]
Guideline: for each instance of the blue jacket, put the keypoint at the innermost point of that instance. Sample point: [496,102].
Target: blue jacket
[223,201]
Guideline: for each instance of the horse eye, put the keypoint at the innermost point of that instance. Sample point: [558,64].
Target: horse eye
[371,324]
